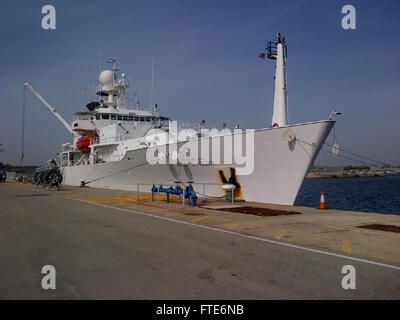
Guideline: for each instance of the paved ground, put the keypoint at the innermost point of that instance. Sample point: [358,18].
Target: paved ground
[104,252]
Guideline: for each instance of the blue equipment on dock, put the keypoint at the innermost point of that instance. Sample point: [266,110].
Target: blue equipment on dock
[188,193]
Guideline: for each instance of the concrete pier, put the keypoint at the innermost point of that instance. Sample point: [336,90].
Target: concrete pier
[108,244]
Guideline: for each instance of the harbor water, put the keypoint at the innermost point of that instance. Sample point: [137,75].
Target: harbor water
[369,194]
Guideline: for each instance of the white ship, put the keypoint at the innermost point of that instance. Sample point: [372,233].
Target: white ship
[111,141]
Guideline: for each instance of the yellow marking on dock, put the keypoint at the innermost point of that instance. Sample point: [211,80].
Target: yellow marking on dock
[125,198]
[212,220]
[233,226]
[97,200]
[342,245]
[172,214]
[346,246]
[128,199]
[281,234]
[363,242]
[201,219]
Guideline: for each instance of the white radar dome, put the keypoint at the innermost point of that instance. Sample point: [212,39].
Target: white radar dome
[106,77]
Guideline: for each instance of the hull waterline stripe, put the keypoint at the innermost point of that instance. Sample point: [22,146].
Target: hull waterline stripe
[243,235]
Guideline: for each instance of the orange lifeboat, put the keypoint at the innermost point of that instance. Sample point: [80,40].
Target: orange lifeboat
[84,143]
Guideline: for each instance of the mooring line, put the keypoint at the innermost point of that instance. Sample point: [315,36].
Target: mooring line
[345,157]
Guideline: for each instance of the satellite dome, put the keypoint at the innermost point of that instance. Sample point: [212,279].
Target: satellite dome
[106,77]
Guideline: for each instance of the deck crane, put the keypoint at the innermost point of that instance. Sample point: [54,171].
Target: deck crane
[50,107]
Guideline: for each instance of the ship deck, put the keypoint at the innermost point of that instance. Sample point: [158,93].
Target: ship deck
[109,244]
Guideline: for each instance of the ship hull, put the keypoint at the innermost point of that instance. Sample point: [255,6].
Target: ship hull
[280,166]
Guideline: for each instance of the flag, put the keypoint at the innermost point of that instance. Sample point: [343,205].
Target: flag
[261,55]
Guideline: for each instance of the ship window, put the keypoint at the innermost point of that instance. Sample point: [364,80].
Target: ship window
[106,116]
[136,118]
[130,118]
[97,117]
[141,119]
[113,117]
[147,119]
[119,118]
[126,118]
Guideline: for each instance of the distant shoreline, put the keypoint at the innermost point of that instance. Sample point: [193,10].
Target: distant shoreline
[344,174]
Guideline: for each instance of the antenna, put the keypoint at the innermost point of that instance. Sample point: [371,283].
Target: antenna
[88,90]
[23,125]
[152,82]
[99,60]
[137,102]
[115,66]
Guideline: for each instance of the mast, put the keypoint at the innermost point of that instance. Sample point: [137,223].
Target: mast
[112,87]
[278,51]
[152,82]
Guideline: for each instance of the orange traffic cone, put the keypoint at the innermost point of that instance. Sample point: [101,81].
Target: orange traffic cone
[322,204]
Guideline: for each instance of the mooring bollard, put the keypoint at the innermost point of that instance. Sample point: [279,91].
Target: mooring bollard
[232,187]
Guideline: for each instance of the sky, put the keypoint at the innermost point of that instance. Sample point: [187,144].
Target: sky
[206,66]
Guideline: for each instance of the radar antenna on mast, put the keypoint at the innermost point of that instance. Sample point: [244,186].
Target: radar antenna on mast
[115,66]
